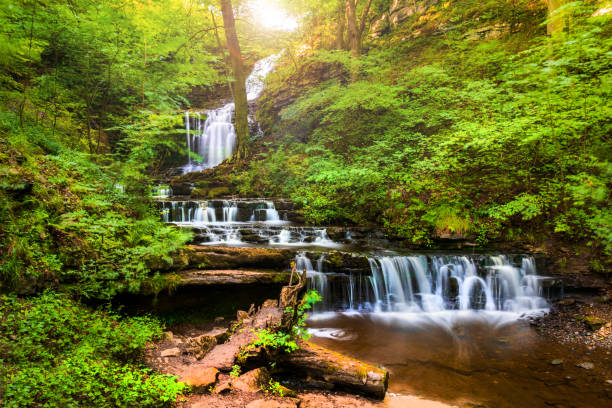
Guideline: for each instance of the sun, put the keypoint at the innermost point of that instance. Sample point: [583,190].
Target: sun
[268,14]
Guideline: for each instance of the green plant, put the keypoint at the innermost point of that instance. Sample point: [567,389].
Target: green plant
[74,356]
[235,373]
[287,340]
[274,388]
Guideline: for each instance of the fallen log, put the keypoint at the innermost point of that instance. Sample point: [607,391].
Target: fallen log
[340,371]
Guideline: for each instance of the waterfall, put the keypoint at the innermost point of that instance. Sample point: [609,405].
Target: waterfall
[255,81]
[215,139]
[434,283]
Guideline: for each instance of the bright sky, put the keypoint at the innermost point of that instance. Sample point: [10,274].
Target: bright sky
[270,15]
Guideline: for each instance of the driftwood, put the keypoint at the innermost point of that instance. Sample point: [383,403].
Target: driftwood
[334,369]
[289,299]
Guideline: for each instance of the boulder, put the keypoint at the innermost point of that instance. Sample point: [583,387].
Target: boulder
[252,381]
[594,323]
[201,379]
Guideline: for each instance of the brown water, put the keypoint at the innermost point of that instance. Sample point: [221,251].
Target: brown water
[471,361]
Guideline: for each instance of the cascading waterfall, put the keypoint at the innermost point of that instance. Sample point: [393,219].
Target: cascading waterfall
[434,283]
[229,221]
[215,138]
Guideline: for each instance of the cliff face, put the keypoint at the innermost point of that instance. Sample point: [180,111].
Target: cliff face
[397,13]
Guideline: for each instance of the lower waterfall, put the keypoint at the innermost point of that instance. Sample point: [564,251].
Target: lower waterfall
[432,284]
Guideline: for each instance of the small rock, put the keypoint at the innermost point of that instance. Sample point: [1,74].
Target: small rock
[169,335]
[609,382]
[586,365]
[566,302]
[219,319]
[171,352]
[556,361]
[241,315]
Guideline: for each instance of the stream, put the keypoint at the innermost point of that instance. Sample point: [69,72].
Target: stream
[451,326]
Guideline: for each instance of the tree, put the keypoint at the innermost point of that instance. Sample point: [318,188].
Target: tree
[555,22]
[355,31]
[239,88]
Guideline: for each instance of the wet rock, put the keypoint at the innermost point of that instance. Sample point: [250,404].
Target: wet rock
[200,379]
[219,319]
[171,352]
[566,302]
[594,323]
[586,365]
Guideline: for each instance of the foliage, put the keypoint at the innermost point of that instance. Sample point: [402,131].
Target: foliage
[67,222]
[287,340]
[235,373]
[274,388]
[57,353]
[500,137]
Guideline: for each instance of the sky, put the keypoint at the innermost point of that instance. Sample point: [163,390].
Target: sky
[268,14]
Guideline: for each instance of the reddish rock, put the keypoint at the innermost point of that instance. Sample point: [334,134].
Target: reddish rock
[200,379]
[252,381]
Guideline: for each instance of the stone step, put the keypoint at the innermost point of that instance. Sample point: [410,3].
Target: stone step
[232,277]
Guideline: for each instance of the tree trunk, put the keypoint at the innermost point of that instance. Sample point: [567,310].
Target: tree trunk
[353,38]
[340,44]
[240,97]
[336,369]
[221,52]
[555,23]
[364,19]
[353,33]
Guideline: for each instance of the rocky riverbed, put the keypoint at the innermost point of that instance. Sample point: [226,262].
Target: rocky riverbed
[579,319]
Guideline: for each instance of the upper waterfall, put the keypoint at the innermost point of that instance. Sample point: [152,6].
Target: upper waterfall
[214,138]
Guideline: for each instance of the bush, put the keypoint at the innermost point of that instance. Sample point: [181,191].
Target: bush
[58,353]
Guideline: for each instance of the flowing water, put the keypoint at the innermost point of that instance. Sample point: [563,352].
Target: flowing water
[447,326]
[241,222]
[452,328]
[469,358]
[213,139]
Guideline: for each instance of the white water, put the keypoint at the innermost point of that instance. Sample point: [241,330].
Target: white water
[412,287]
[226,221]
[214,139]
[202,213]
